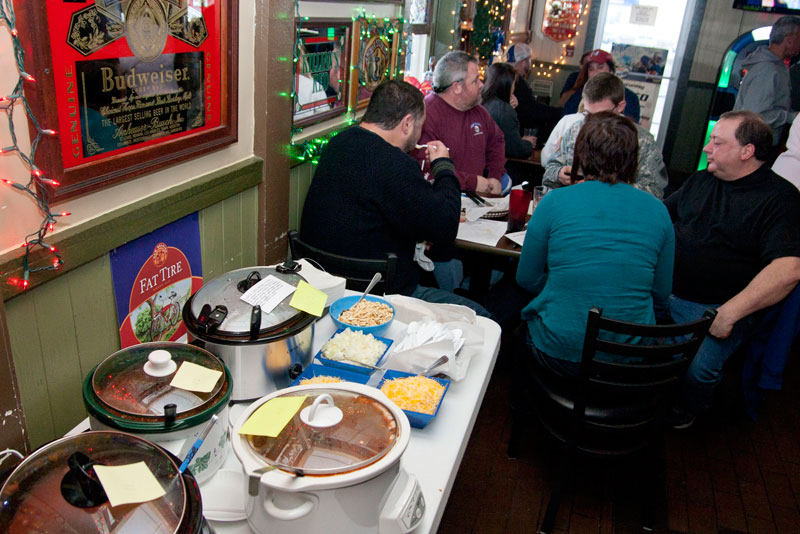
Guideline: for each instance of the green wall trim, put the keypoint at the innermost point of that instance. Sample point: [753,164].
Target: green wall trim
[90,240]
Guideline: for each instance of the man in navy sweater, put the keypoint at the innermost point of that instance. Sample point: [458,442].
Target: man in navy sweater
[368,196]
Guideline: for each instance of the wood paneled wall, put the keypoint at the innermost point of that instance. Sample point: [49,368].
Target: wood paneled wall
[60,330]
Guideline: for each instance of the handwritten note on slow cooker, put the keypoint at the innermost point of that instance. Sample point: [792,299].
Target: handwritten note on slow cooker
[268,293]
[127,484]
[193,377]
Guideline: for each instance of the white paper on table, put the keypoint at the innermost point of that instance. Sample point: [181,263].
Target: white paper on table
[268,293]
[482,231]
[517,237]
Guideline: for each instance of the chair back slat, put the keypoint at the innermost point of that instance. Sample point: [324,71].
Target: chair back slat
[357,271]
[652,368]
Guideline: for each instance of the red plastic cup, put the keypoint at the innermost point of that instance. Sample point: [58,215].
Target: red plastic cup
[518,202]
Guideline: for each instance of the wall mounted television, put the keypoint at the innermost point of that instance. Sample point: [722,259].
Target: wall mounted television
[788,7]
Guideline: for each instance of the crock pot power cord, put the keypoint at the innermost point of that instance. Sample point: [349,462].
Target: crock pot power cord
[10,452]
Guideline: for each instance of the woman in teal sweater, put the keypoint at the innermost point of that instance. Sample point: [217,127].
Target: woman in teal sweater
[600,242]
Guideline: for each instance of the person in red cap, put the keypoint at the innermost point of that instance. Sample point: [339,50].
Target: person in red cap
[597,61]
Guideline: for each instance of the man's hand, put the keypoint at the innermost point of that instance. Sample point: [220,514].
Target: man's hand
[514,102]
[564,175]
[723,324]
[436,150]
[489,185]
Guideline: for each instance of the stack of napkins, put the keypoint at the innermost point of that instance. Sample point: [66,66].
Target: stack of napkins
[333,286]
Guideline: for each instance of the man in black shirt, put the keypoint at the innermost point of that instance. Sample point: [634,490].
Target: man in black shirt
[368,196]
[737,247]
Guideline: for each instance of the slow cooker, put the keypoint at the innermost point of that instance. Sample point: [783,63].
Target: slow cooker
[335,467]
[264,351]
[55,490]
[131,391]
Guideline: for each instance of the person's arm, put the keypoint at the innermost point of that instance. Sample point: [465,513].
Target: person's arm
[651,175]
[758,94]
[531,271]
[662,281]
[516,146]
[769,286]
[556,172]
[423,210]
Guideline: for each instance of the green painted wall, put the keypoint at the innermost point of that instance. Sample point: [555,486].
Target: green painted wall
[61,329]
[299,182]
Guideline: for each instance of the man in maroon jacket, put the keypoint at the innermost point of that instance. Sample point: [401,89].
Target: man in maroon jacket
[455,117]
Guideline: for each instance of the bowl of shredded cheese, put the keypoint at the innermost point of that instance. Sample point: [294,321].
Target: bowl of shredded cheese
[418,396]
[373,315]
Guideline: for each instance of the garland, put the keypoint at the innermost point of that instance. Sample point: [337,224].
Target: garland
[37,184]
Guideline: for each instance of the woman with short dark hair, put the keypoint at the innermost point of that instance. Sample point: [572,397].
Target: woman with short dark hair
[497,97]
[600,242]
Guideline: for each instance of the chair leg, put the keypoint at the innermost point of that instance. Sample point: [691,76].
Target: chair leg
[564,477]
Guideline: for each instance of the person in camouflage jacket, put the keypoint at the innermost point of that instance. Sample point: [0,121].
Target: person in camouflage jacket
[652,174]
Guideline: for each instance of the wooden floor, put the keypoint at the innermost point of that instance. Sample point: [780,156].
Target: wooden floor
[725,474]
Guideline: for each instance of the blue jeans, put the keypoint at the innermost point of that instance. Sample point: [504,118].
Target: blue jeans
[705,372]
[440,296]
[448,274]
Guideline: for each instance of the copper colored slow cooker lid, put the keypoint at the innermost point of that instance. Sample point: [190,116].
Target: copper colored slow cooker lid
[54,490]
[366,431]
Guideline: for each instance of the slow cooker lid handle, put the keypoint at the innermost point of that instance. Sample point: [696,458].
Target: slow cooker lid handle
[80,486]
[209,320]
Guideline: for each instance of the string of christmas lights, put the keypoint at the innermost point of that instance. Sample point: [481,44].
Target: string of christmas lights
[36,186]
[311,149]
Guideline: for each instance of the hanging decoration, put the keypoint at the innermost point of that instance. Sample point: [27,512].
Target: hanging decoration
[561,19]
[568,46]
[489,23]
[38,183]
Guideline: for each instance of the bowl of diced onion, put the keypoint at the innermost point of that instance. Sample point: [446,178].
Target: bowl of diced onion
[353,350]
[373,315]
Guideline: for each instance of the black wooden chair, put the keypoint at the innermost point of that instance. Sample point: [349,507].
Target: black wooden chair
[357,271]
[611,409]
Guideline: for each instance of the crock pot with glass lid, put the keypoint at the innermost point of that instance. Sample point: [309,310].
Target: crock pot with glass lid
[130,391]
[264,351]
[335,467]
[56,490]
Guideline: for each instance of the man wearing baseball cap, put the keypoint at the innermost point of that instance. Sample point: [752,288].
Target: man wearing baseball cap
[598,61]
[531,112]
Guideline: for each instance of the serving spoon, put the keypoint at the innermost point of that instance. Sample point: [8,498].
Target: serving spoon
[375,280]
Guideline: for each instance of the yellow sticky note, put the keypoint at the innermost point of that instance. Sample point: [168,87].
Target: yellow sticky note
[272,416]
[126,484]
[193,377]
[309,299]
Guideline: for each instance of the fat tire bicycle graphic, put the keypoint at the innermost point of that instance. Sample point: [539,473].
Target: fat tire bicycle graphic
[165,318]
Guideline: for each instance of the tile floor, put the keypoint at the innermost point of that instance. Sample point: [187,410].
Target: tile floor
[725,474]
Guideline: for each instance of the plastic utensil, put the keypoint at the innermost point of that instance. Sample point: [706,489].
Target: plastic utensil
[362,363]
[375,280]
[439,361]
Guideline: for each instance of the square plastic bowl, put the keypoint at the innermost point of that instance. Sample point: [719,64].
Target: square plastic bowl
[315,370]
[354,367]
[346,303]
[417,420]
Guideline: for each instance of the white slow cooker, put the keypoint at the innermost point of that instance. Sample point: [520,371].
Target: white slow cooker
[335,466]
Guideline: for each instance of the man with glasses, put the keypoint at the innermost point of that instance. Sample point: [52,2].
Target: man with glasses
[455,117]
[603,92]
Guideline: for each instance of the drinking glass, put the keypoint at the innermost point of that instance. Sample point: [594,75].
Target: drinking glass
[538,193]
[518,202]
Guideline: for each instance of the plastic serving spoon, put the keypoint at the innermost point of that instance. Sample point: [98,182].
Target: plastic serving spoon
[375,280]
